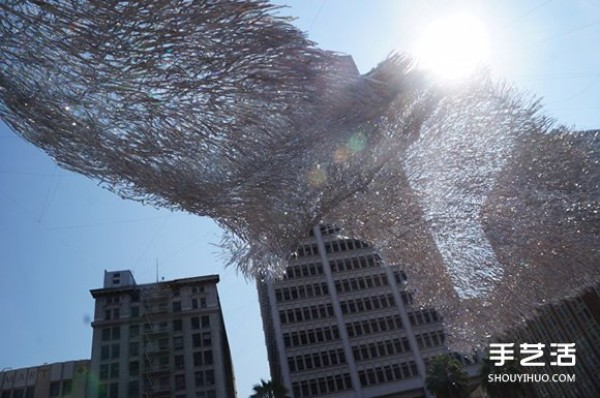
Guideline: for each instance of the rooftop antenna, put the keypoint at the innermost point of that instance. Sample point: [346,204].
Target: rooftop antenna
[156,269]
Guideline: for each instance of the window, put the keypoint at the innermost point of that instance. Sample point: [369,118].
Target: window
[179,362]
[55,389]
[134,331]
[178,342]
[105,334]
[210,377]
[103,372]
[104,352]
[18,393]
[134,349]
[114,370]
[177,325]
[134,368]
[116,350]
[135,311]
[177,306]
[67,387]
[208,358]
[198,358]
[199,380]
[116,333]
[203,302]
[29,392]
[134,388]
[195,322]
[179,382]
[197,340]
[206,339]
[114,390]
[205,321]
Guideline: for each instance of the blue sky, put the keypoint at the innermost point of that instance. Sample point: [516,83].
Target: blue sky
[59,231]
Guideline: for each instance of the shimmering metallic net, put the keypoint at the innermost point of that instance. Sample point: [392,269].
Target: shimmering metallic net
[222,109]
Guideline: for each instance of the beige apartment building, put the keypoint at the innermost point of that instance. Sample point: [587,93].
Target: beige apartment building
[164,339]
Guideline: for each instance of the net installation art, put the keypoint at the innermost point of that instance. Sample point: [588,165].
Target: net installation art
[224,109]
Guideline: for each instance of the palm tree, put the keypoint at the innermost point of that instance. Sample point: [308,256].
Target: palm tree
[499,390]
[269,389]
[446,377]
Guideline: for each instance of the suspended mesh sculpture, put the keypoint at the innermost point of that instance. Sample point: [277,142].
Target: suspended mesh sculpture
[221,109]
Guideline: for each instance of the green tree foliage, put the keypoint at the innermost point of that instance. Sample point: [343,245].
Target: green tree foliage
[269,389]
[446,377]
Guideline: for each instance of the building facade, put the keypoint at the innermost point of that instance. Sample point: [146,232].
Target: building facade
[339,324]
[576,320]
[62,379]
[164,339]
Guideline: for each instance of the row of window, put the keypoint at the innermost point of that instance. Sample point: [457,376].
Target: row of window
[311,336]
[380,349]
[322,385]
[300,292]
[162,344]
[361,283]
[387,374]
[344,245]
[306,314]
[354,263]
[316,360]
[421,317]
[372,326]
[303,271]
[432,339]
[307,250]
[19,393]
[367,304]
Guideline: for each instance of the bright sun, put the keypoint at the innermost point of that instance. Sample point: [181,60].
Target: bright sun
[453,47]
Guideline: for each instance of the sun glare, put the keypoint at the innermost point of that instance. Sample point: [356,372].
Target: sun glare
[453,47]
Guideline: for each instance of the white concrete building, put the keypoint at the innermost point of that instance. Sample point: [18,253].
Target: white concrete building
[340,324]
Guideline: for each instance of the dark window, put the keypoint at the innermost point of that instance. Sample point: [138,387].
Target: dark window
[67,387]
[133,349]
[116,333]
[114,370]
[198,358]
[177,325]
[135,312]
[205,321]
[55,389]
[195,322]
[177,306]
[208,358]
[134,368]
[178,361]
[134,388]
[134,331]
[197,340]
[210,377]
[18,393]
[179,382]
[116,348]
[105,334]
[103,372]
[178,342]
[29,392]
[114,390]
[199,379]
[104,352]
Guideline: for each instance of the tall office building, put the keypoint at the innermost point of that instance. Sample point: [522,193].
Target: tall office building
[61,379]
[159,340]
[575,320]
[340,324]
